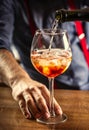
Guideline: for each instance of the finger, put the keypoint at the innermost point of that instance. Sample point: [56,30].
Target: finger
[41,103]
[24,108]
[43,106]
[57,108]
[31,105]
[46,95]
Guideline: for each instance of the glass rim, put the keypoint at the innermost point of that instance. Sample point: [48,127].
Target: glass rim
[52,31]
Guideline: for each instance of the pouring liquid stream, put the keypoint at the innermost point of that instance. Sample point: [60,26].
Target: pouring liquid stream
[54,27]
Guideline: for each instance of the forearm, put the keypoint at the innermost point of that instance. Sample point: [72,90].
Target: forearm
[10,70]
[31,96]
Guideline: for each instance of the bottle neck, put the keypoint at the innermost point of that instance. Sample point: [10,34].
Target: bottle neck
[72,15]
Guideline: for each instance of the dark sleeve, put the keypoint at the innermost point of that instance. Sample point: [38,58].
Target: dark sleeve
[6,23]
[85,2]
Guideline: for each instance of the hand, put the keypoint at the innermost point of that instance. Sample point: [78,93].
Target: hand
[33,98]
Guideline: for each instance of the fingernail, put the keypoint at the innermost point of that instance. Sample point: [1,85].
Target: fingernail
[47,115]
[37,115]
[59,111]
[27,115]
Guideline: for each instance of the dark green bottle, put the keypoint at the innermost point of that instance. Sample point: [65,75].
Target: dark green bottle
[63,15]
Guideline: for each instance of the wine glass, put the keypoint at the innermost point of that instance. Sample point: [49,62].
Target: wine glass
[51,56]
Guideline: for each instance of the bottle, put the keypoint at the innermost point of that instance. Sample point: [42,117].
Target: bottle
[63,15]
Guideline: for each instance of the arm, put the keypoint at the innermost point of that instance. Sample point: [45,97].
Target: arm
[24,90]
[32,97]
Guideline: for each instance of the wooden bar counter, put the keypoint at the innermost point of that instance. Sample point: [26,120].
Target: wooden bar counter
[74,103]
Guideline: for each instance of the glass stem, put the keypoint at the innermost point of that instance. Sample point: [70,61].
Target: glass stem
[51,89]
